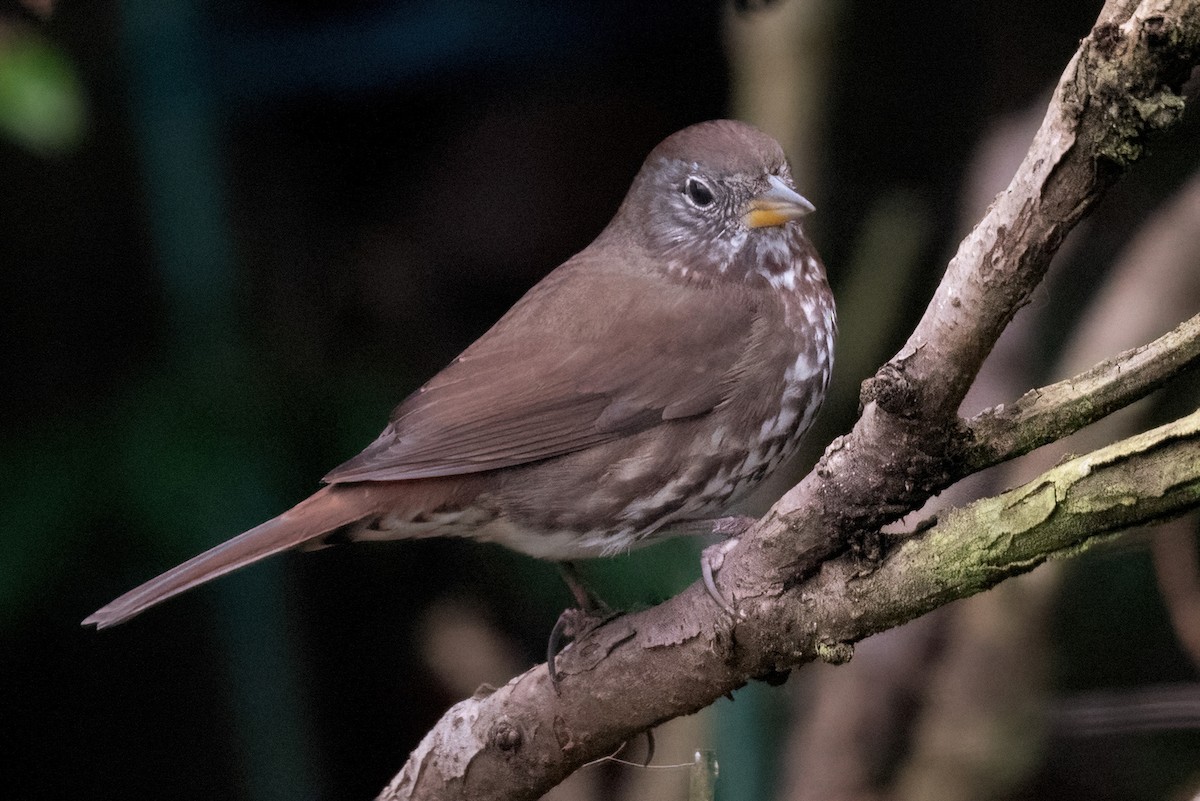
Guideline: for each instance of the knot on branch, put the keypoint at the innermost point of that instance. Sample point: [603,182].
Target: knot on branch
[1137,71]
[891,390]
[505,736]
[1107,38]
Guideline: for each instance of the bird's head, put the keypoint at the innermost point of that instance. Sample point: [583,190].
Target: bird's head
[716,201]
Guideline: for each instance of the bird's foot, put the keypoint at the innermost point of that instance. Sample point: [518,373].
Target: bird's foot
[711,560]
[713,557]
[732,527]
[572,626]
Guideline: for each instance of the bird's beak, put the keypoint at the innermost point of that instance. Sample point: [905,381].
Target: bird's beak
[776,206]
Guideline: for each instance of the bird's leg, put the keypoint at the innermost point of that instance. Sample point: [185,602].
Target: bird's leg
[587,600]
[573,624]
[712,557]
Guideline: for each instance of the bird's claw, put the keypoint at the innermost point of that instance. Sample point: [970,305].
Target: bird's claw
[572,625]
[711,560]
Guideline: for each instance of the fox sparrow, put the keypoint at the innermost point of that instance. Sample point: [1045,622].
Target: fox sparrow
[644,385]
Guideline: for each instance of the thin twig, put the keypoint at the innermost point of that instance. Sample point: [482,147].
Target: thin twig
[1050,413]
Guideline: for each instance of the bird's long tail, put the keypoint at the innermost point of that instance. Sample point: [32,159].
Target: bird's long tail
[326,510]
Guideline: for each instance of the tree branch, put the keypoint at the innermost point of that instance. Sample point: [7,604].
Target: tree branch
[1046,415]
[647,667]
[1147,478]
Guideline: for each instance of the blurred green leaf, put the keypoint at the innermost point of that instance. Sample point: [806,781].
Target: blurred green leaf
[41,98]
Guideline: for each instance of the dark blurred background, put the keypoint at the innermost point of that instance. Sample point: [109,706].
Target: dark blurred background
[234,234]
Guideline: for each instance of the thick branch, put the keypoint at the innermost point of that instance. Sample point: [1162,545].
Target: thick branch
[1048,414]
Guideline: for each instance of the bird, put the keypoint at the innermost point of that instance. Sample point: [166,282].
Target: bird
[634,393]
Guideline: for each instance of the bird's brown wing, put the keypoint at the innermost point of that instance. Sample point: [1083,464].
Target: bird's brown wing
[589,356]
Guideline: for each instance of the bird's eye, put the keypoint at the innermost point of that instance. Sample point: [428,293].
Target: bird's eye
[698,192]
